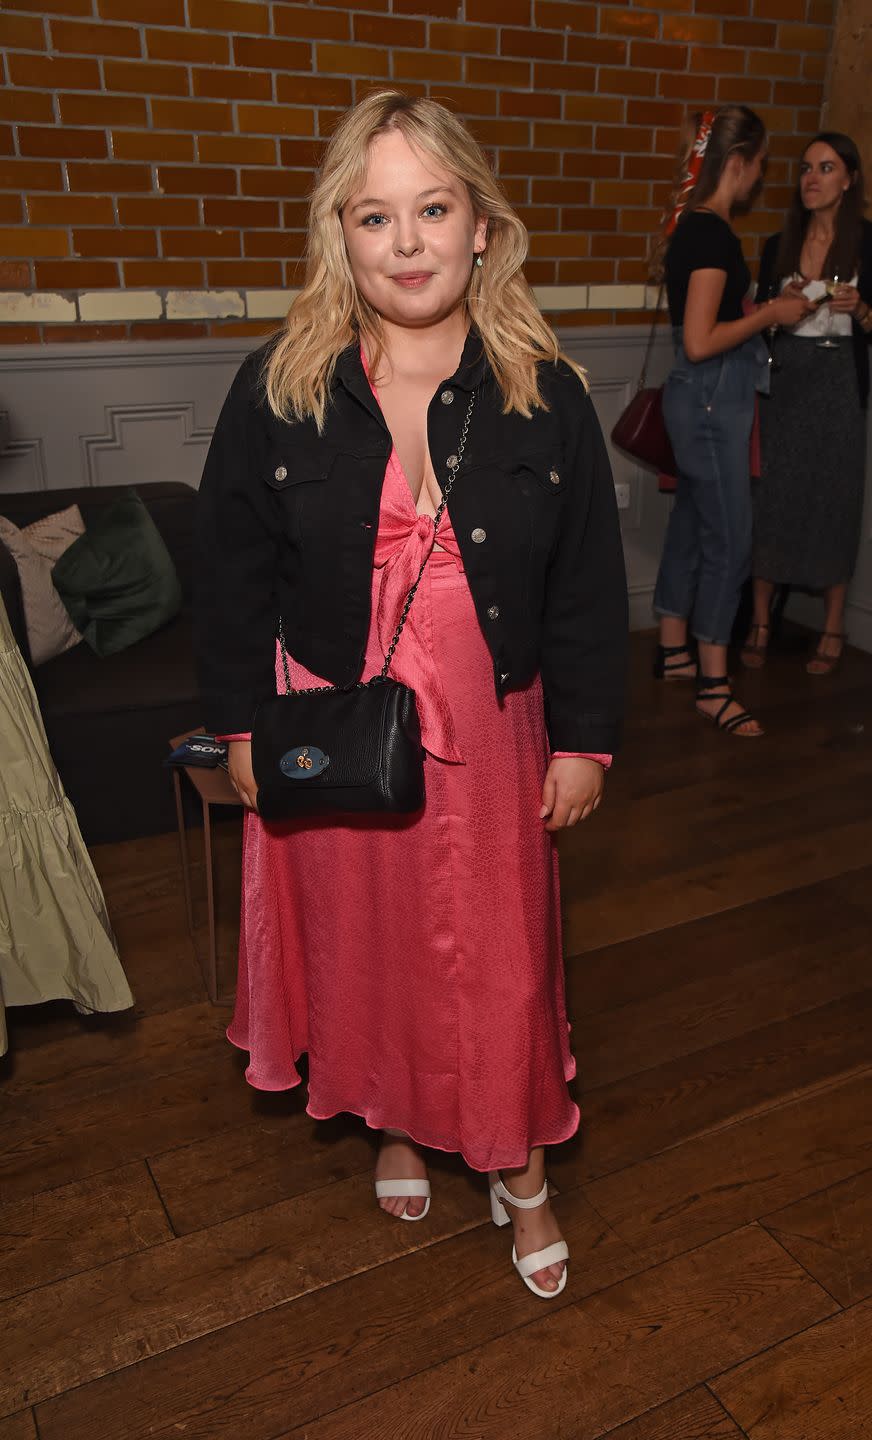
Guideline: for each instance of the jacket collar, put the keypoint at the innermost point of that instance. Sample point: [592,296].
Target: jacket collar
[470,373]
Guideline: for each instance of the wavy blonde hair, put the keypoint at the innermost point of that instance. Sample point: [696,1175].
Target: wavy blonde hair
[330,314]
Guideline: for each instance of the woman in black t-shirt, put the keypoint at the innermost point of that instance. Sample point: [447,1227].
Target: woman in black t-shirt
[708,406]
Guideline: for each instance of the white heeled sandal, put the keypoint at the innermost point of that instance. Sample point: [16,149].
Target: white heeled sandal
[551,1255]
[392,1189]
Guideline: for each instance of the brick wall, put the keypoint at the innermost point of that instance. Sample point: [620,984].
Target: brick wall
[155,155]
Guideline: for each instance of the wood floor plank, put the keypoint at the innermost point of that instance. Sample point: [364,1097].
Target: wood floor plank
[145,1118]
[77,1329]
[18,1427]
[48,1237]
[695,1416]
[718,1182]
[638,1116]
[256,1165]
[830,1233]
[292,1364]
[763,963]
[603,1361]
[816,1386]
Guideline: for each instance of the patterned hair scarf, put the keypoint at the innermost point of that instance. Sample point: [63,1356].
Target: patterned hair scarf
[693,166]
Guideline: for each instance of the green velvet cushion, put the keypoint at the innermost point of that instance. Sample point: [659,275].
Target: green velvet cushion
[117,580]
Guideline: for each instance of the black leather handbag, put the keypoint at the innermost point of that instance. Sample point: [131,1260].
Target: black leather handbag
[353,749]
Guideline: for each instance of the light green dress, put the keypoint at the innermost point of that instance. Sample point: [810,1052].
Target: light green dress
[56,941]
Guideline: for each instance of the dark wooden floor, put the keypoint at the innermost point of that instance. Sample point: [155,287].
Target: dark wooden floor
[180,1256]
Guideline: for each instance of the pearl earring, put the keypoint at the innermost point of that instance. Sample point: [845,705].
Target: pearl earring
[478,261]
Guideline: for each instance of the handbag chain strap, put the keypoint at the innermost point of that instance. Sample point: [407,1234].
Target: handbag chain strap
[454,463]
[650,346]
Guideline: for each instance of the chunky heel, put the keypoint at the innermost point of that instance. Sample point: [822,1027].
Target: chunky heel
[499,1213]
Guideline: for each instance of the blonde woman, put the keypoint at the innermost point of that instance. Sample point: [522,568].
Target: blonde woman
[417,959]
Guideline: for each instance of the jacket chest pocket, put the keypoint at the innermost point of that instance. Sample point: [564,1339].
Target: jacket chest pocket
[298,480]
[540,479]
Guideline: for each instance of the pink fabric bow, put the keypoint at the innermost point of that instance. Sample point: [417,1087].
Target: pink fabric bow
[404,538]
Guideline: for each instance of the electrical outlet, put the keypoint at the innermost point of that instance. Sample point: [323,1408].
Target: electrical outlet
[622,494]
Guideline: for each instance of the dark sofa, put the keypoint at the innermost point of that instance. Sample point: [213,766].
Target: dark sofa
[108,720]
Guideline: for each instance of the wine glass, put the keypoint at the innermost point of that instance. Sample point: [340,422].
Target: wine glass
[829,341]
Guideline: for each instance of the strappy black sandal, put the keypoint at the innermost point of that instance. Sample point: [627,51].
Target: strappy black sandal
[706,688]
[665,662]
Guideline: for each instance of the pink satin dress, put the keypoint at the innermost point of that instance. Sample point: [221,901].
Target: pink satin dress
[418,959]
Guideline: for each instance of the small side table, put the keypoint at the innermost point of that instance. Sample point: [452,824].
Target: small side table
[214,788]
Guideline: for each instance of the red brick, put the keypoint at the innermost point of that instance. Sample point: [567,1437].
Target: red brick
[393,31]
[626,82]
[647,167]
[540,217]
[103,110]
[274,244]
[627,22]
[145,77]
[70,210]
[285,184]
[496,133]
[564,77]
[654,112]
[118,179]
[640,222]
[773,63]
[541,272]
[196,180]
[30,175]
[499,12]
[587,218]
[468,101]
[595,50]
[820,12]
[158,210]
[751,34]
[465,38]
[516,188]
[498,72]
[255,53]
[301,154]
[315,90]
[74,37]
[240,16]
[713,58]
[692,88]
[48,72]
[275,120]
[191,115]
[554,245]
[265,273]
[20,33]
[164,274]
[10,211]
[594,107]
[21,335]
[614,245]
[565,135]
[530,102]
[127,145]
[646,56]
[25,240]
[529,162]
[235,84]
[814,67]
[241,214]
[26,105]
[141,12]
[543,44]
[60,142]
[14,275]
[115,243]
[701,29]
[199,242]
[352,60]
[799,92]
[620,192]
[566,15]
[236,150]
[780,9]
[185,45]
[723,7]
[424,65]
[57,7]
[589,164]
[563,191]
[624,138]
[295,214]
[168,330]
[71,334]
[299,21]
[7,142]
[803,37]
[76,275]
[586,272]
[738,90]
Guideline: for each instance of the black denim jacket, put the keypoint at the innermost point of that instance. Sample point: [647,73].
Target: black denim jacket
[287,520]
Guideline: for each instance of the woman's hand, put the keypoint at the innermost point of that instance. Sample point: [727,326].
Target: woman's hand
[847,300]
[240,772]
[572,791]
[789,309]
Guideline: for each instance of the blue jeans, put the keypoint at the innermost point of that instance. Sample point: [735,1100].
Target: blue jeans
[708,408]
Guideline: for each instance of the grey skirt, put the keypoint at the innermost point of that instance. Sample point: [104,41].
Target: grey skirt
[808,502]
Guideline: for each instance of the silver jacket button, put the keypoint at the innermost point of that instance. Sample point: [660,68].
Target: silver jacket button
[493,612]
[554,478]
[282,472]
[447,397]
[478,535]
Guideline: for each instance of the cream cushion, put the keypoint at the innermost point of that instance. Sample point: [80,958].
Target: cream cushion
[35,549]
